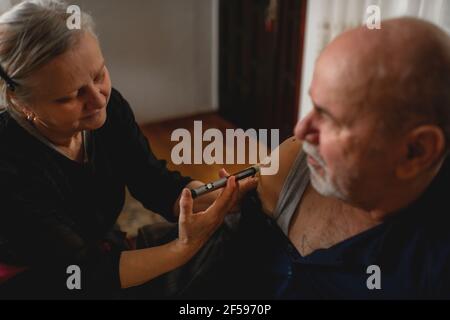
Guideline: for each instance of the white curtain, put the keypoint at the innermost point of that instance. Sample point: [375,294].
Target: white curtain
[4,5]
[328,18]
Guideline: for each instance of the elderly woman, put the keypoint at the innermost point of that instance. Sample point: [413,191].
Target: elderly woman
[69,147]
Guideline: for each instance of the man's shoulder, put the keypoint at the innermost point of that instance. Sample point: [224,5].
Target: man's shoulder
[433,249]
[270,186]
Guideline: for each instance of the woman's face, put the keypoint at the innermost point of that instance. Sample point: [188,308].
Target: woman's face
[70,93]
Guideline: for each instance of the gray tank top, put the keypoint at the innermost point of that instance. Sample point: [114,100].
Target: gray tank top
[292,191]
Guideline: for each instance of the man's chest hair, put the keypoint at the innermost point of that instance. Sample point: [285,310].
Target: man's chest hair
[320,223]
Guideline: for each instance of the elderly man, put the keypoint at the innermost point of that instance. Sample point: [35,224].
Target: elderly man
[358,209]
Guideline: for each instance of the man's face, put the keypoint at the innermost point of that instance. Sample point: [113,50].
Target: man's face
[347,155]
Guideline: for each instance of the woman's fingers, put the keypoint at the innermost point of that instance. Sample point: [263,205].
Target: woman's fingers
[224,202]
[245,185]
[186,204]
[223,173]
[248,184]
[242,187]
[234,197]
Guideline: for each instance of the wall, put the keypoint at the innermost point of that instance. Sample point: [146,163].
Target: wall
[4,5]
[160,53]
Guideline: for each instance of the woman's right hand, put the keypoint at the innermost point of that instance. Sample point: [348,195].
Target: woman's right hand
[196,228]
[139,266]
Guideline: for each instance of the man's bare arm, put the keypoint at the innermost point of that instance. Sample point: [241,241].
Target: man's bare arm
[269,187]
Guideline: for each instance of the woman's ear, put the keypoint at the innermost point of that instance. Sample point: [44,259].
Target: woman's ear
[423,148]
[18,105]
[11,98]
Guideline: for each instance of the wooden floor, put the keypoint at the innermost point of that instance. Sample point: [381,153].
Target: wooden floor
[159,134]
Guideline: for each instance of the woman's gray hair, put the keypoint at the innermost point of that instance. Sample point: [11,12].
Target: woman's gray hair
[32,33]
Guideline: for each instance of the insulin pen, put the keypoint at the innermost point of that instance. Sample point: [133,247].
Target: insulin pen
[209,187]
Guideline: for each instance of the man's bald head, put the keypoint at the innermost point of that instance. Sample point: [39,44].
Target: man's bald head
[401,71]
[380,125]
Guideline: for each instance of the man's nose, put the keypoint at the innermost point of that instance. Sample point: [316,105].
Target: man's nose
[306,129]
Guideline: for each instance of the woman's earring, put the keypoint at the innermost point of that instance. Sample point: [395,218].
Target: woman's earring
[30,117]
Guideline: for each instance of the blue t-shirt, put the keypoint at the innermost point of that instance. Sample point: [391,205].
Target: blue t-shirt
[406,257]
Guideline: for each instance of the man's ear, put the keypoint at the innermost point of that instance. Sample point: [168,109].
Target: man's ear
[423,148]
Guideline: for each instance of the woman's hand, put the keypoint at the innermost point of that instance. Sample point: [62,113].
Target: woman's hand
[196,228]
[205,201]
[243,186]
[139,266]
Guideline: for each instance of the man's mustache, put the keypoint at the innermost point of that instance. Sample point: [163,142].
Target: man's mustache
[313,152]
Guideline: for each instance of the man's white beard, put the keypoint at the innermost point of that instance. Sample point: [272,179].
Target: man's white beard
[323,184]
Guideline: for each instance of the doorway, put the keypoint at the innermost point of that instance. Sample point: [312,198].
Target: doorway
[260,59]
